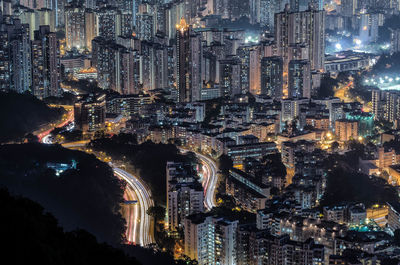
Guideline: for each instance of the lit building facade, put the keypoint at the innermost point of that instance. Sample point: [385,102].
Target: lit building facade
[272,76]
[210,240]
[346,130]
[184,194]
[230,77]
[299,79]
[80,27]
[45,64]
[189,57]
[90,113]
[15,56]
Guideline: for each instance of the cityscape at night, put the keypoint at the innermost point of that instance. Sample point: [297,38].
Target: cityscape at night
[200,132]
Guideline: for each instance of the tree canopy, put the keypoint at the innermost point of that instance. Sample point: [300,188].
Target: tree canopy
[344,185]
[148,159]
[85,196]
[33,236]
[23,113]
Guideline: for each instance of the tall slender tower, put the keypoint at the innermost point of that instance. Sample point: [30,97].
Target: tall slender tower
[182,62]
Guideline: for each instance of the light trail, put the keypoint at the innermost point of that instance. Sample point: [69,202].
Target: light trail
[131,218]
[46,139]
[69,119]
[144,202]
[210,179]
[138,221]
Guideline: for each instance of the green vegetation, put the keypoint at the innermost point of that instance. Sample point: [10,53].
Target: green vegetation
[327,87]
[360,89]
[345,185]
[244,217]
[393,144]
[274,165]
[61,135]
[22,114]
[328,84]
[65,99]
[213,108]
[84,85]
[149,160]
[387,64]
[86,195]
[34,237]
[392,22]
[164,241]
[157,212]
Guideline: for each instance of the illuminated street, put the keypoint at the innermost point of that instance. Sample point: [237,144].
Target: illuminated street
[209,132]
[67,118]
[210,179]
[342,92]
[139,222]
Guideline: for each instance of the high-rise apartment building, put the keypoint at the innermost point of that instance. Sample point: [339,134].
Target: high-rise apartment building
[145,26]
[368,28]
[392,105]
[108,23]
[299,79]
[211,240]
[182,61]
[75,27]
[394,40]
[36,18]
[117,67]
[272,76]
[15,56]
[250,68]
[90,113]
[230,76]
[376,104]
[263,11]
[386,105]
[348,7]
[45,64]
[4,62]
[184,194]
[306,28]
[189,56]
[346,129]
[80,28]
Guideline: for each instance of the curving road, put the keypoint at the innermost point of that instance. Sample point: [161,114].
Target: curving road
[139,222]
[210,179]
[131,215]
[45,134]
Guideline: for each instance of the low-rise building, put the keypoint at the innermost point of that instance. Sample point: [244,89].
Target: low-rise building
[250,194]
[239,153]
[346,130]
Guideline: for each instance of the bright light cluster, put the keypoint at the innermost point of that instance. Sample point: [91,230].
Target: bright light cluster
[385,82]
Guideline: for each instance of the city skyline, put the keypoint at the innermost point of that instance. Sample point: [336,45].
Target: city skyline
[210,132]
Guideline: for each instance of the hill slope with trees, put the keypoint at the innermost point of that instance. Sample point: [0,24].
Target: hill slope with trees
[86,195]
[23,113]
